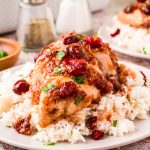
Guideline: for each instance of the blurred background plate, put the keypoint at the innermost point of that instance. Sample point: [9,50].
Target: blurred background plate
[105,35]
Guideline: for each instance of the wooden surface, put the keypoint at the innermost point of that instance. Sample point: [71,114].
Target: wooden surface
[98,18]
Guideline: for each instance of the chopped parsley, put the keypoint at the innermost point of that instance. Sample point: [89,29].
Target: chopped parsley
[71,132]
[114,123]
[130,101]
[3,54]
[86,121]
[144,50]
[78,100]
[95,36]
[20,75]
[79,37]
[60,55]
[78,79]
[8,126]
[57,70]
[47,88]
[49,143]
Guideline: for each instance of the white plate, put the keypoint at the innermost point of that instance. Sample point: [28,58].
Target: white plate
[105,35]
[10,136]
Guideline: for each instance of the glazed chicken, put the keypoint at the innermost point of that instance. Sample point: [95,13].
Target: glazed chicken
[71,74]
[136,15]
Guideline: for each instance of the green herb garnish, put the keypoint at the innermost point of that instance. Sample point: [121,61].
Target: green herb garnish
[3,54]
[114,123]
[78,79]
[20,75]
[49,143]
[57,70]
[95,36]
[60,55]
[8,126]
[47,88]
[86,121]
[71,132]
[144,50]
[79,37]
[78,100]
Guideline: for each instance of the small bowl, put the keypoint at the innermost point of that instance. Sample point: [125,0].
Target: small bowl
[13,49]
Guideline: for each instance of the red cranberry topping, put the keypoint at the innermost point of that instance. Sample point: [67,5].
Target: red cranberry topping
[76,67]
[97,134]
[91,123]
[70,40]
[129,9]
[94,42]
[117,32]
[23,125]
[141,1]
[36,57]
[100,82]
[21,87]
[104,85]
[146,9]
[107,89]
[74,51]
[67,89]
[144,77]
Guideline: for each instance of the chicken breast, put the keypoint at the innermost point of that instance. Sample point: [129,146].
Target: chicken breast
[136,15]
[71,74]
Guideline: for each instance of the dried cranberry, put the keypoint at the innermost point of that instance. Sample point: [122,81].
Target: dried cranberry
[146,9]
[107,89]
[100,82]
[91,123]
[74,51]
[23,125]
[21,87]
[97,134]
[129,9]
[117,32]
[141,1]
[144,77]
[36,57]
[76,67]
[67,89]
[70,40]
[94,43]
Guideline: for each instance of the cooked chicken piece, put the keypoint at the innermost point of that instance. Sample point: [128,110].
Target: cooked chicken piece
[72,74]
[137,15]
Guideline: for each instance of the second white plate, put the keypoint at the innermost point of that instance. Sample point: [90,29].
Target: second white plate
[105,35]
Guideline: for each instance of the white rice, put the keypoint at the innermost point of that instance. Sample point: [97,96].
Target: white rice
[7,81]
[130,38]
[125,112]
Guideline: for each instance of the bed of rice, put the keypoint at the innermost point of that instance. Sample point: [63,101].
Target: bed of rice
[128,110]
[130,38]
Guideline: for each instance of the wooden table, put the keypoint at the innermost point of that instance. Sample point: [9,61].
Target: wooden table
[98,18]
